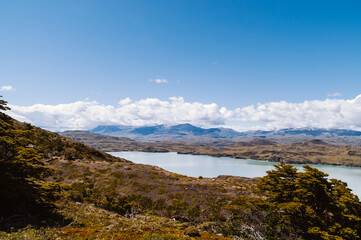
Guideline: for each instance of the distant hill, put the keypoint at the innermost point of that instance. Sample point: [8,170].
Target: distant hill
[314,132]
[334,136]
[190,133]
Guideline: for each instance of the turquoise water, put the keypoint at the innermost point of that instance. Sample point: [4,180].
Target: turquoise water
[207,166]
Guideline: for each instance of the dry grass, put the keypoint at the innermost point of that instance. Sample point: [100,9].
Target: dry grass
[91,222]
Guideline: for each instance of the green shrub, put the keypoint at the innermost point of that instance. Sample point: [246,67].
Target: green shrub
[192,232]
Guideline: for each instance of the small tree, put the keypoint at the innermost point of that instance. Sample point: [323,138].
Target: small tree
[3,104]
[23,190]
[310,204]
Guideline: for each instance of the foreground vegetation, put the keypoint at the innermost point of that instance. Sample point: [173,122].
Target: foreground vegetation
[56,188]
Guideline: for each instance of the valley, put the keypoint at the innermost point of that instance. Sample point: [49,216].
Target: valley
[313,151]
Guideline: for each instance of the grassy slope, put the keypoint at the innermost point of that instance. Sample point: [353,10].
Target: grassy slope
[149,200]
[90,222]
[310,152]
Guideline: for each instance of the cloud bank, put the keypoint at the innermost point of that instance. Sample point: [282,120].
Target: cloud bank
[89,114]
[329,113]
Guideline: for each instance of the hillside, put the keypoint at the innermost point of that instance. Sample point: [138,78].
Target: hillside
[101,187]
[313,151]
[78,192]
[190,133]
[333,136]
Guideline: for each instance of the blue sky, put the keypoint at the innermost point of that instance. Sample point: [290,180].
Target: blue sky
[232,53]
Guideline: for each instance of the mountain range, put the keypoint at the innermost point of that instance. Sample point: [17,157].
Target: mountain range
[190,133]
[180,132]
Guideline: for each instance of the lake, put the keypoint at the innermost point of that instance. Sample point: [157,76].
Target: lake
[207,166]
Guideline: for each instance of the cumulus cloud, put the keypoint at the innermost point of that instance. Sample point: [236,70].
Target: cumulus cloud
[159,80]
[7,88]
[329,113]
[125,101]
[149,111]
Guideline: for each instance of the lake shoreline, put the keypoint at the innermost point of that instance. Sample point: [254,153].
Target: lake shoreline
[206,166]
[271,160]
[308,152]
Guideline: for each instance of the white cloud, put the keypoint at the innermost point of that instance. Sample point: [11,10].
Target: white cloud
[329,113]
[125,101]
[89,114]
[336,94]
[7,88]
[159,80]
